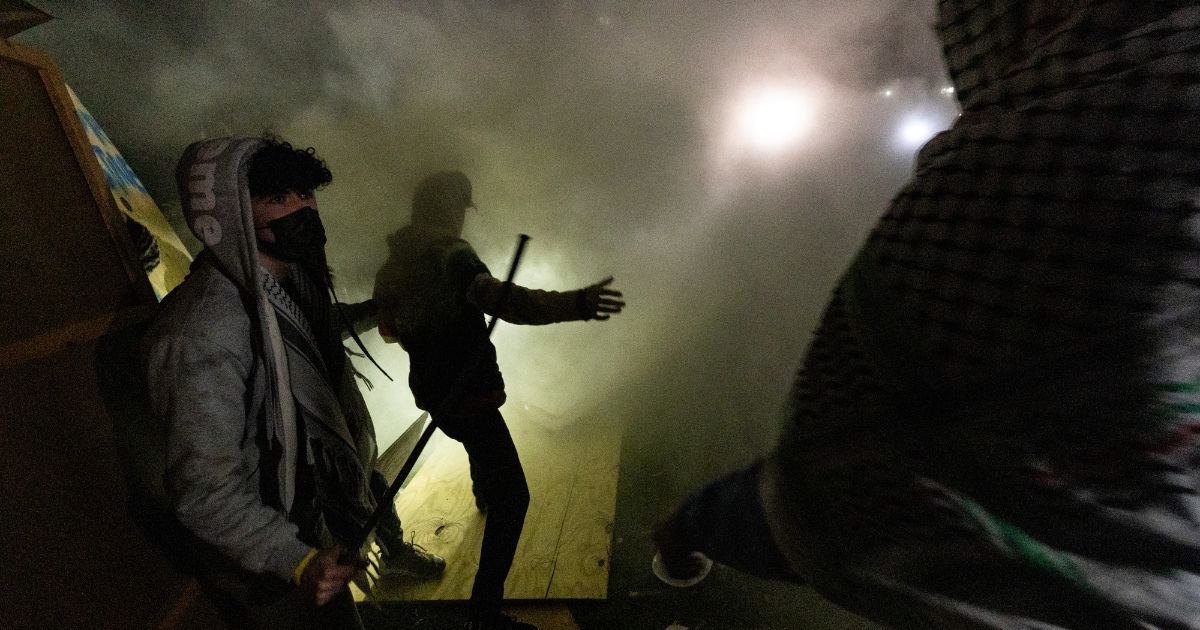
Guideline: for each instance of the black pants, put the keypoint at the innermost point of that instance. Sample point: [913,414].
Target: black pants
[389,533]
[500,481]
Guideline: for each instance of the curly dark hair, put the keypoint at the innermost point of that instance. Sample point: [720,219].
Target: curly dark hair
[278,168]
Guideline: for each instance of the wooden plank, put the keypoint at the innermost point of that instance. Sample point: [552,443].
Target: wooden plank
[567,469]
[27,54]
[585,546]
[44,345]
[547,457]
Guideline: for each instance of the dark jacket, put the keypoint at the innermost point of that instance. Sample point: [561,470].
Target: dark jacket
[433,293]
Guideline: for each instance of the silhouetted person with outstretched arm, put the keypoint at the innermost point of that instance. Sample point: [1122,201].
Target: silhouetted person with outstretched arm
[432,295]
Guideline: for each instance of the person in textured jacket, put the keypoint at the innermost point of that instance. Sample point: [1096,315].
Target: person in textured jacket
[996,423]
[432,295]
[270,448]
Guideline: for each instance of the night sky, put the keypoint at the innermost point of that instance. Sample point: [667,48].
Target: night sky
[723,160]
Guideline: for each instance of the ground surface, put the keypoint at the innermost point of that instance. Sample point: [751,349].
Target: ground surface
[636,600]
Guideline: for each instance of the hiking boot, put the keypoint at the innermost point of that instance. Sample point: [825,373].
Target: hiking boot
[499,621]
[411,560]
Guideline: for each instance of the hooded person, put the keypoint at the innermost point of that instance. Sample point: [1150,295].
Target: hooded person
[432,294]
[995,423]
[270,449]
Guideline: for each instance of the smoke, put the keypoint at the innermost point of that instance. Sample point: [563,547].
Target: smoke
[603,130]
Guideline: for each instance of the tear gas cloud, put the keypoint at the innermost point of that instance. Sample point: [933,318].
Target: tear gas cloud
[722,160]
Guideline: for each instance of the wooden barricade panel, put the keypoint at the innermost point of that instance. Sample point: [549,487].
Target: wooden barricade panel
[73,298]
[66,257]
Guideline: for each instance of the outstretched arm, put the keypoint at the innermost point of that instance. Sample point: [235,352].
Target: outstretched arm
[534,306]
[518,305]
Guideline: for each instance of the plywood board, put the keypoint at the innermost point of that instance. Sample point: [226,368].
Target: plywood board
[585,545]
[566,543]
[59,264]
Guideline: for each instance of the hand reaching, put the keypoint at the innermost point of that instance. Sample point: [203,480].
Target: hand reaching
[597,301]
[325,576]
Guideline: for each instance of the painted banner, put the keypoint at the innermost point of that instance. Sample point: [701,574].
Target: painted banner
[135,203]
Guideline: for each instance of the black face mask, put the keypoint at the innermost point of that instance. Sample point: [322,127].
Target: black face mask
[299,237]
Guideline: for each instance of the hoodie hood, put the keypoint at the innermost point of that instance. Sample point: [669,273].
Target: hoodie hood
[216,203]
[978,39]
[995,51]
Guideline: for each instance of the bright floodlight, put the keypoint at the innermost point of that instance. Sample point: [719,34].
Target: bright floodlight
[775,118]
[915,131]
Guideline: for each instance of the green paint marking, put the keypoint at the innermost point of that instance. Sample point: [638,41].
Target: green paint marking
[1014,540]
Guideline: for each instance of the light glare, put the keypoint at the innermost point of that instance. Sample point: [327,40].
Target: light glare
[915,132]
[775,118]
